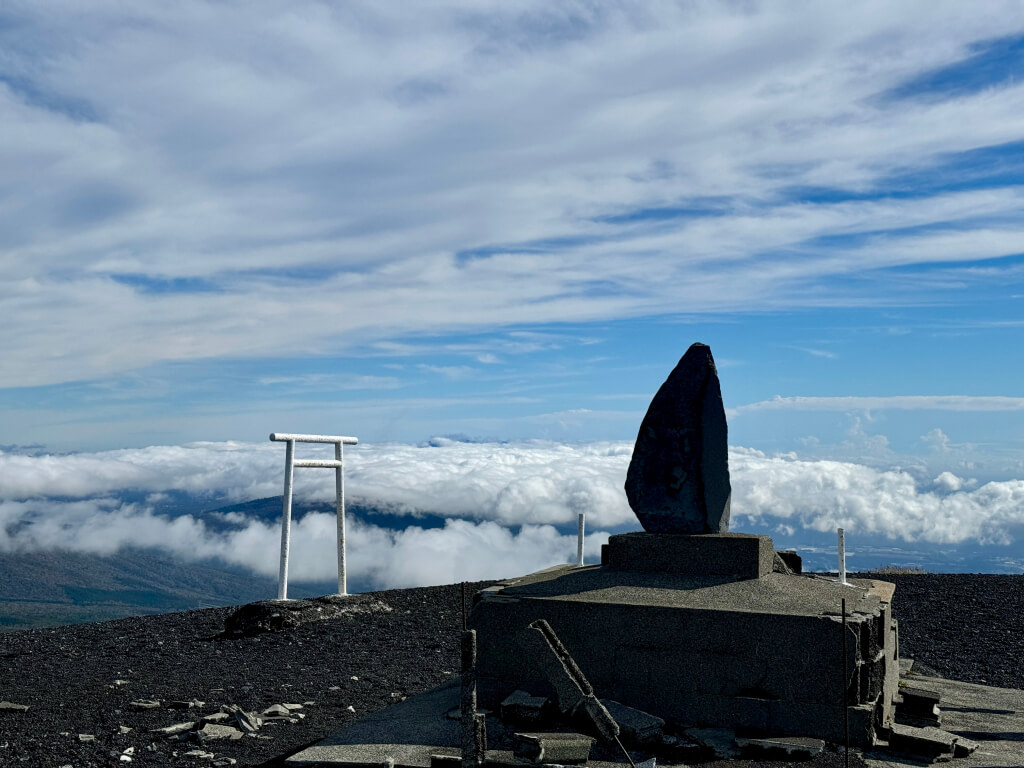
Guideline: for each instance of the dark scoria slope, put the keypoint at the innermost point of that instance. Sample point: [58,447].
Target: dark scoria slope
[363,660]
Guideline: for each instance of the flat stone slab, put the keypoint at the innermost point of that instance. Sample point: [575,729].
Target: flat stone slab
[735,555]
[991,717]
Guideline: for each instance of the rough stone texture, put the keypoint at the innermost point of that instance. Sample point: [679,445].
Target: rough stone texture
[637,726]
[558,748]
[731,555]
[702,651]
[573,693]
[521,707]
[678,478]
[926,742]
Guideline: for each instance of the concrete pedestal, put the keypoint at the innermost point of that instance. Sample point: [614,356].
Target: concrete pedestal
[702,647]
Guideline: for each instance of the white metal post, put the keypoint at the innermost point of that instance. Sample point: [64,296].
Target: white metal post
[286,519]
[339,495]
[842,555]
[580,522]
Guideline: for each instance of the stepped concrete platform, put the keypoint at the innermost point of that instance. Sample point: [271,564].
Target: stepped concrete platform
[761,651]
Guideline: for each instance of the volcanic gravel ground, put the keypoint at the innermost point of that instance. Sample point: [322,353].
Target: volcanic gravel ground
[968,627]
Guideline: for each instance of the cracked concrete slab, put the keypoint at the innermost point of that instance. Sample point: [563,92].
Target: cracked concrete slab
[992,717]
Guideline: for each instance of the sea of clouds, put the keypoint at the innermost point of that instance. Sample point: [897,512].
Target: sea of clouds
[509,508]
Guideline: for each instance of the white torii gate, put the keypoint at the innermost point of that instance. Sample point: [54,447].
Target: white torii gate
[338,465]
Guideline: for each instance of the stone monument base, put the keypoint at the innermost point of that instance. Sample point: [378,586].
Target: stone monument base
[700,631]
[734,555]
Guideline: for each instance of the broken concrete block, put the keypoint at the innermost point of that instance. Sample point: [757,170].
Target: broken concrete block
[212,732]
[521,707]
[592,714]
[561,748]
[918,708]
[554,660]
[929,742]
[573,692]
[964,746]
[792,560]
[191,704]
[174,730]
[780,747]
[635,725]
[8,706]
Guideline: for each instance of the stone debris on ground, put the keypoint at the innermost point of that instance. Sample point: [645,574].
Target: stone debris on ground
[8,706]
[637,727]
[521,707]
[918,707]
[781,747]
[142,704]
[928,742]
[561,748]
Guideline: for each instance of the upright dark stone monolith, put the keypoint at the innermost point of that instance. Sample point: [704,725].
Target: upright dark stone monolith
[678,479]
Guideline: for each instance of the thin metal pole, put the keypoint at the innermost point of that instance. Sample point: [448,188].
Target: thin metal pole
[286,519]
[581,521]
[339,489]
[846,690]
[462,592]
[842,555]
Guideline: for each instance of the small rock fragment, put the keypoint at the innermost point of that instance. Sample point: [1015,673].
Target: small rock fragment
[123,729]
[191,704]
[174,730]
[141,704]
[9,706]
[212,731]
[560,748]
[521,707]
[84,737]
[200,753]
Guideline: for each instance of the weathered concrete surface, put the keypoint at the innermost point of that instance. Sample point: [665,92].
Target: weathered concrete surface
[405,734]
[678,478]
[409,732]
[735,555]
[992,717]
[702,650]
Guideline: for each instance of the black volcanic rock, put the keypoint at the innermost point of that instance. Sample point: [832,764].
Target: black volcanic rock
[366,661]
[678,478]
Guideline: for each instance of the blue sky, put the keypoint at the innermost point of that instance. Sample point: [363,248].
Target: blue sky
[507,223]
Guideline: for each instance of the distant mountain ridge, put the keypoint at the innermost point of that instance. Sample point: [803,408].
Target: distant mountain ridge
[61,587]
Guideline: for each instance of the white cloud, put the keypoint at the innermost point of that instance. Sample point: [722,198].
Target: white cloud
[484,489]
[312,176]
[891,402]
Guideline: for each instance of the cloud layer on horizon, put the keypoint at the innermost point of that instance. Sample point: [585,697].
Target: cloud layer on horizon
[484,489]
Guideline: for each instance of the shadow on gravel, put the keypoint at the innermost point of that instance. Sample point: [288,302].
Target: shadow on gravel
[979,710]
[990,736]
